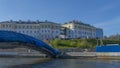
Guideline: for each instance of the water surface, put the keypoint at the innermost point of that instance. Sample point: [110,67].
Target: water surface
[74,63]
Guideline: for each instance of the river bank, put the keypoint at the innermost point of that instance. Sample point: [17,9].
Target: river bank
[87,53]
[92,55]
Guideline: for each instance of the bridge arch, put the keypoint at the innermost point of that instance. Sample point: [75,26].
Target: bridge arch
[10,36]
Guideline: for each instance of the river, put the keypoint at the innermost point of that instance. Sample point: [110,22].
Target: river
[64,63]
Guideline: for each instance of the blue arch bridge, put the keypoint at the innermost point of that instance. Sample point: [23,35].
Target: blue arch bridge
[10,36]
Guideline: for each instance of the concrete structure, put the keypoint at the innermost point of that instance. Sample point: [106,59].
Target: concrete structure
[76,29]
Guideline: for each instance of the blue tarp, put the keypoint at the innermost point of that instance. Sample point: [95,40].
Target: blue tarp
[10,36]
[108,48]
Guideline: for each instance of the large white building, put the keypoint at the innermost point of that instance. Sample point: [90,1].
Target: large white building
[77,29]
[50,30]
[41,30]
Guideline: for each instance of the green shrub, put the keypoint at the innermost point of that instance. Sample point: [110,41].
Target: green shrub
[80,43]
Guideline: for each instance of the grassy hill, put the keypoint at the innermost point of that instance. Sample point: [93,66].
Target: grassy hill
[80,43]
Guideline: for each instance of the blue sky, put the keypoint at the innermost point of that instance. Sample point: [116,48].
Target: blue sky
[100,13]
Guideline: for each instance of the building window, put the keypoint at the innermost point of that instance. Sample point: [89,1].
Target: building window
[34,31]
[27,31]
[9,25]
[19,27]
[30,27]
[48,26]
[37,27]
[30,31]
[37,31]
[23,26]
[44,26]
[56,31]
[27,27]
[42,30]
[6,25]
[56,27]
[3,26]
[68,26]
[34,27]
[75,26]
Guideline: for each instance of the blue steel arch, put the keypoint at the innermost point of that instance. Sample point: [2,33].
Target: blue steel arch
[10,36]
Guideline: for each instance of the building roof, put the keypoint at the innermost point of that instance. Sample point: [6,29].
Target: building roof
[28,22]
[78,22]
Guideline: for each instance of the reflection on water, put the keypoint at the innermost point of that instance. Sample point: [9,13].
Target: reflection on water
[71,63]
[16,61]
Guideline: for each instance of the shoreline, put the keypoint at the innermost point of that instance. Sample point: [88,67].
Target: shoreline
[94,55]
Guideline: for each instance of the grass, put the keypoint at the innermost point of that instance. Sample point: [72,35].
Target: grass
[80,43]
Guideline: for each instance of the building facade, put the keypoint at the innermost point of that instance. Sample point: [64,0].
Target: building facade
[50,30]
[76,29]
[41,30]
